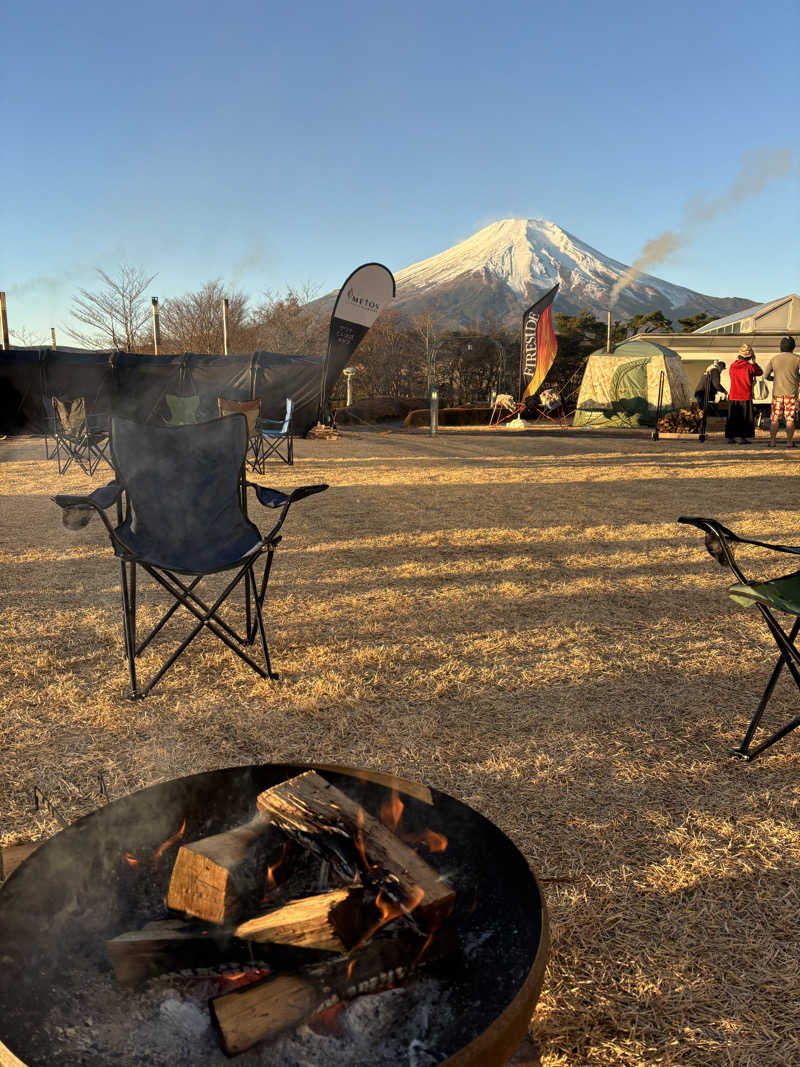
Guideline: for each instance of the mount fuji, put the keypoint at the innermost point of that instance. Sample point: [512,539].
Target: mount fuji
[493,276]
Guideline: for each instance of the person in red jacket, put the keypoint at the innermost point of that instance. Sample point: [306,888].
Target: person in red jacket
[739,425]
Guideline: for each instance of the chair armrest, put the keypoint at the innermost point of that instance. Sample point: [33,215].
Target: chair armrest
[274,498]
[716,529]
[272,424]
[269,498]
[78,509]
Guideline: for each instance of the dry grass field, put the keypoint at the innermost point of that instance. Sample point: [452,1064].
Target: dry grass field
[519,621]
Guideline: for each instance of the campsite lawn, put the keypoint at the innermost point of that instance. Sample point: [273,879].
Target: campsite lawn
[517,620]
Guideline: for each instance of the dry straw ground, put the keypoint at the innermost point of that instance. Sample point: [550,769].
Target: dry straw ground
[519,621]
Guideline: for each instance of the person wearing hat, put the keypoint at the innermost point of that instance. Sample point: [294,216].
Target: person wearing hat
[740,425]
[784,369]
[710,375]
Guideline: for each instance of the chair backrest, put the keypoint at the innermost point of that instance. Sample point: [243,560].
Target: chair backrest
[71,415]
[251,409]
[182,410]
[183,489]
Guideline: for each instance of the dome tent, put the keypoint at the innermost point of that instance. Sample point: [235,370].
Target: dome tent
[621,388]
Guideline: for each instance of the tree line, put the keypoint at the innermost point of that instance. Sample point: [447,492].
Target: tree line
[401,356]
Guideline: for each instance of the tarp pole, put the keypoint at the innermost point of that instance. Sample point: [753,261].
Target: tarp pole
[53,336]
[4,320]
[156,327]
[609,345]
[225,325]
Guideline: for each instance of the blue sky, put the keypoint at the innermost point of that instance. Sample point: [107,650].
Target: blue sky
[282,145]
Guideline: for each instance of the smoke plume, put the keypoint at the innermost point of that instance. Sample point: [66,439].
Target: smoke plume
[759,168]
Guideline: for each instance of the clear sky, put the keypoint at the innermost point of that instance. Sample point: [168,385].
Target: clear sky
[272,145]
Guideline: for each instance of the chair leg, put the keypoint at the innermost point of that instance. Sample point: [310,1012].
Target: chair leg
[129,622]
[787,653]
[206,618]
[260,618]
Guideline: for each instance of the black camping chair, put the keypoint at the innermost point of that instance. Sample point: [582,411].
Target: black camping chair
[185,517]
[78,436]
[776,594]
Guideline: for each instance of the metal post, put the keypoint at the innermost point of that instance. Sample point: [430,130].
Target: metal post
[225,325]
[434,411]
[654,434]
[156,326]
[53,336]
[702,435]
[4,320]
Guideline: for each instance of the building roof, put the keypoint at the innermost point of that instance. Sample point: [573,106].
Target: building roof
[757,311]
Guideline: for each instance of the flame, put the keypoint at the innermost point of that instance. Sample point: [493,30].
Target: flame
[132,861]
[435,842]
[271,885]
[388,910]
[359,838]
[392,812]
[326,1022]
[162,848]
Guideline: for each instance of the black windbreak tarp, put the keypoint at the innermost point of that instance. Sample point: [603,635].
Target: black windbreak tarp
[135,387]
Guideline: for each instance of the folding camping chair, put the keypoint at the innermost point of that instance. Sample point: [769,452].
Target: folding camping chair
[79,437]
[272,436]
[775,594]
[552,407]
[251,409]
[182,410]
[503,402]
[185,517]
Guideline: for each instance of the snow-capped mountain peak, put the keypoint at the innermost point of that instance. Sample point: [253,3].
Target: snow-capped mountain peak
[518,259]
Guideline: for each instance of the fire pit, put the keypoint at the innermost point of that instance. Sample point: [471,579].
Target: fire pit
[288,916]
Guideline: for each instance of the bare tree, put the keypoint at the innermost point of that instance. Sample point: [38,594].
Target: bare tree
[117,314]
[388,359]
[428,329]
[287,323]
[193,323]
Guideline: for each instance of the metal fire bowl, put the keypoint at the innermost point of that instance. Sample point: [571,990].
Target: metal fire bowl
[76,891]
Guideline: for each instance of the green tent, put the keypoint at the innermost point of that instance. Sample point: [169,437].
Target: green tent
[621,388]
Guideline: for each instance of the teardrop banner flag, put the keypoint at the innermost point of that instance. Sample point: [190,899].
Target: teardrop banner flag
[539,344]
[364,294]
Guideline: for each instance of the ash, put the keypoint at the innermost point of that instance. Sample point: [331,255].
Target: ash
[164,1024]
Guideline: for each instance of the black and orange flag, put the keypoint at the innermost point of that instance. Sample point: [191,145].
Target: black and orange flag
[539,345]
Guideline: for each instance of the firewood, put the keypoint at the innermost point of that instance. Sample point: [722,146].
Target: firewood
[323,818]
[213,877]
[265,1009]
[172,945]
[334,921]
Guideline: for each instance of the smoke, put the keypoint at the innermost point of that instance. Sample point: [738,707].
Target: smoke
[253,258]
[759,168]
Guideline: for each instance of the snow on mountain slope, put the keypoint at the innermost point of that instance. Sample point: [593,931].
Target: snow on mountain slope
[521,258]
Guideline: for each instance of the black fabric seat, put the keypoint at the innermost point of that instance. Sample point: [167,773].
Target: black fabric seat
[79,437]
[181,502]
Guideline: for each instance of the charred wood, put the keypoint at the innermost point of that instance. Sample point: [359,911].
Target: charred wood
[265,1009]
[324,819]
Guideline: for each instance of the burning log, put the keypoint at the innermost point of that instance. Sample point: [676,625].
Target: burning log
[265,1009]
[212,876]
[172,945]
[323,818]
[333,921]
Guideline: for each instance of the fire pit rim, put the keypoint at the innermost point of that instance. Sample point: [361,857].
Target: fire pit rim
[502,1035]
